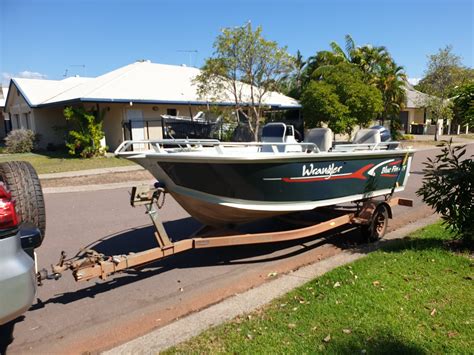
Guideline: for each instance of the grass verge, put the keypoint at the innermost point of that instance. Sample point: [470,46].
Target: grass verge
[412,296]
[57,162]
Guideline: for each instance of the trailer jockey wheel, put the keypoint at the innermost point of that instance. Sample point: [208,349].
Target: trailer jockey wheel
[377,227]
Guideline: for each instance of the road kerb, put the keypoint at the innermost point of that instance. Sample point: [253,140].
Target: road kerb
[77,173]
[97,187]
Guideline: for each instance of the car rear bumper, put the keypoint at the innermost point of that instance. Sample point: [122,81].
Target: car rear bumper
[17,279]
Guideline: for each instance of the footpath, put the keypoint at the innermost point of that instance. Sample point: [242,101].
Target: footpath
[95,179]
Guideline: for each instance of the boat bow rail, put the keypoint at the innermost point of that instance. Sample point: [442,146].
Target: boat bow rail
[186,145]
[163,146]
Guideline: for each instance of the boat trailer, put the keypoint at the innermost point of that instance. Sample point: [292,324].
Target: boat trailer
[88,264]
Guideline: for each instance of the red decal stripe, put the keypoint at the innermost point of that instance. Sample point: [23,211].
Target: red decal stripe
[395,162]
[359,174]
[388,175]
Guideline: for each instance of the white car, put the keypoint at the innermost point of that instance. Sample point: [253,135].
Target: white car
[22,226]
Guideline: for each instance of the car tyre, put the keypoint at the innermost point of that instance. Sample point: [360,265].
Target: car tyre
[21,180]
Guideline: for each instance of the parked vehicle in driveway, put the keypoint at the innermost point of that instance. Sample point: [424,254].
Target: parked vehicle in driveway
[22,227]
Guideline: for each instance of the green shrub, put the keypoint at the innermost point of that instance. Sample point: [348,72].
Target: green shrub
[84,139]
[395,128]
[448,187]
[408,137]
[20,141]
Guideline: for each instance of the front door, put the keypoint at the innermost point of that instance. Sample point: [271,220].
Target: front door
[404,121]
[137,127]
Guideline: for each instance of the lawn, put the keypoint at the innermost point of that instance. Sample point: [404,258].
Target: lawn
[55,162]
[412,296]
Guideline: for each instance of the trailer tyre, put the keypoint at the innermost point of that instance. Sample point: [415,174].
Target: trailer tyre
[22,182]
[377,227]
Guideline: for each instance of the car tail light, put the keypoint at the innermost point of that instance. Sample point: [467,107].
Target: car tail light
[8,217]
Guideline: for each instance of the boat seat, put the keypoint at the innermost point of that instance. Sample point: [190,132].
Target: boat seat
[367,136]
[269,148]
[322,137]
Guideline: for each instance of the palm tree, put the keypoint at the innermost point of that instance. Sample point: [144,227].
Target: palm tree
[391,81]
[371,59]
[299,69]
[379,69]
[351,50]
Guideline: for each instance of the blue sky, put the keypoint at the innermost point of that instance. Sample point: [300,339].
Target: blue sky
[44,38]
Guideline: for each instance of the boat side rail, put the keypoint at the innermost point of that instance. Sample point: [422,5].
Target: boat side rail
[349,147]
[159,145]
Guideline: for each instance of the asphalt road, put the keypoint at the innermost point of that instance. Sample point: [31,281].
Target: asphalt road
[76,317]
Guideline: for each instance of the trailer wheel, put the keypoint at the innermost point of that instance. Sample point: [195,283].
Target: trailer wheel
[377,227]
[22,182]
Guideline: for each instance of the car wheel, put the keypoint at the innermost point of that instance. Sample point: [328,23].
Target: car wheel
[22,182]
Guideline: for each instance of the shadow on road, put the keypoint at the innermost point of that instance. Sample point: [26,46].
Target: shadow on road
[6,334]
[140,239]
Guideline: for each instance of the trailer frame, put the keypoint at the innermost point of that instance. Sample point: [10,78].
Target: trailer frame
[89,264]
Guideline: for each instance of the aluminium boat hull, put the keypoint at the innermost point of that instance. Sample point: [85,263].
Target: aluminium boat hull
[222,190]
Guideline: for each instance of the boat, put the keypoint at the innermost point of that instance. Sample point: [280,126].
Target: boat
[222,183]
[182,127]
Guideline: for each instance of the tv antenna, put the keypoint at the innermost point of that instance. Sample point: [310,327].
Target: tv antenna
[190,52]
[83,66]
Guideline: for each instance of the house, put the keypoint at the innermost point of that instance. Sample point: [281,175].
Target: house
[414,116]
[5,125]
[133,97]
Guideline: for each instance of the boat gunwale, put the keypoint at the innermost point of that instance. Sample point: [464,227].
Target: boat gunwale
[259,158]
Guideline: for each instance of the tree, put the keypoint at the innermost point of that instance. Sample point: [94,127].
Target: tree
[84,139]
[321,105]
[339,97]
[444,73]
[293,82]
[464,104]
[378,68]
[391,81]
[244,68]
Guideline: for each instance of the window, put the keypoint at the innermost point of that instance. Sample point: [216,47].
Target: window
[8,123]
[27,120]
[17,121]
[172,112]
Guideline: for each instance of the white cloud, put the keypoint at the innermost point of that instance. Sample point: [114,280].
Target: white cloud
[31,75]
[6,77]
[414,81]
[23,74]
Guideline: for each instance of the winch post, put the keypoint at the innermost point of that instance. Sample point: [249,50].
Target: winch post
[144,195]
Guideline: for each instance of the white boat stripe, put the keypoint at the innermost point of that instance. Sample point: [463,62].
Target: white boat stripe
[371,172]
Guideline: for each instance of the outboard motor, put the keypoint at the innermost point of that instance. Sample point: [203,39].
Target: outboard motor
[385,135]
